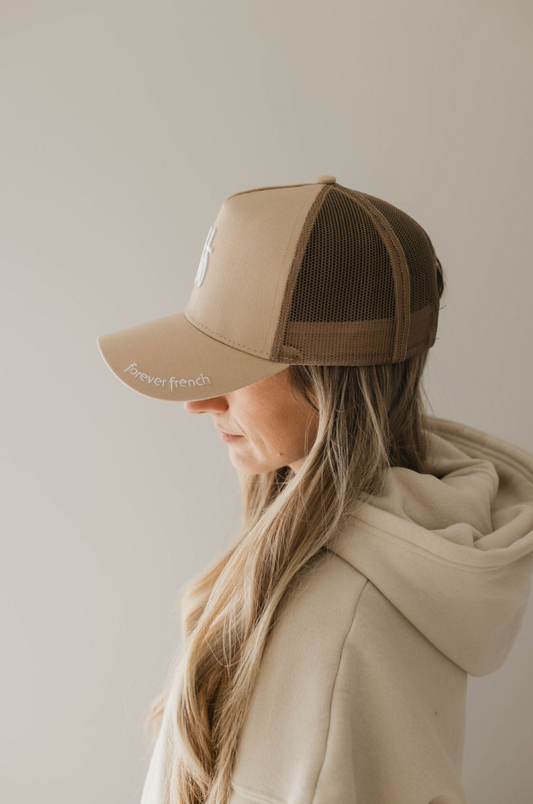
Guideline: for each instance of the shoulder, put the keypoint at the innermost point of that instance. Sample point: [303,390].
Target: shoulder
[286,727]
[319,603]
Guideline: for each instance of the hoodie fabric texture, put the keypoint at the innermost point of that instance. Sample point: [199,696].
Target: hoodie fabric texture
[361,693]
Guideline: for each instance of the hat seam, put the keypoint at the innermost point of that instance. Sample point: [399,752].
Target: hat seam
[295,268]
[274,187]
[223,339]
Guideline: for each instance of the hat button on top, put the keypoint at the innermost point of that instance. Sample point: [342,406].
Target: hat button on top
[326,180]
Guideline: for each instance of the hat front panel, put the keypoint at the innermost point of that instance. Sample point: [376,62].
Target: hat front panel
[244,272]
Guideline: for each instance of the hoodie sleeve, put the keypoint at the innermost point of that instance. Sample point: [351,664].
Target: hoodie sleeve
[352,705]
[396,731]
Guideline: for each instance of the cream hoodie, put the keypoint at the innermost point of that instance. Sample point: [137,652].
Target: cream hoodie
[361,693]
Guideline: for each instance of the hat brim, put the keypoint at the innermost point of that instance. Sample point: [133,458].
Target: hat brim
[171,359]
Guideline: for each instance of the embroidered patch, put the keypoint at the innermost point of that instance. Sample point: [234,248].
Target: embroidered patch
[207,250]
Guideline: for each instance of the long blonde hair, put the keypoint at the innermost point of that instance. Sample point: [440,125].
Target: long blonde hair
[369,418]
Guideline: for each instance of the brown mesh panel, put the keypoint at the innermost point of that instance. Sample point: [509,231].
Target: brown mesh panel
[358,260]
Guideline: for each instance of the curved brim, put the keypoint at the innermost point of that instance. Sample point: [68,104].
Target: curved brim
[170,358]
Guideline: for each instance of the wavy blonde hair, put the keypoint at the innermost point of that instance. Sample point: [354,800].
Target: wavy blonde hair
[369,418]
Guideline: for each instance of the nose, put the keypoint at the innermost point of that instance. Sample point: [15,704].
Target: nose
[216,403]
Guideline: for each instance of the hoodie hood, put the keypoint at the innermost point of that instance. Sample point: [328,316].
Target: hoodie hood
[453,549]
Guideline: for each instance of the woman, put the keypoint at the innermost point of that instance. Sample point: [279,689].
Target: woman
[384,553]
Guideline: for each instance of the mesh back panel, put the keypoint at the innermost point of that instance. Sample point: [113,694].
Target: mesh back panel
[357,259]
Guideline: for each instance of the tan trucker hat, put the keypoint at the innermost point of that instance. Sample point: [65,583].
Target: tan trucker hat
[310,273]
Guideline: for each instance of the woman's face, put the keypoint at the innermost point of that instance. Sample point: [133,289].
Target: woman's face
[270,417]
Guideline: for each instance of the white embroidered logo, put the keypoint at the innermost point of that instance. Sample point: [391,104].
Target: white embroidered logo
[207,250]
[201,380]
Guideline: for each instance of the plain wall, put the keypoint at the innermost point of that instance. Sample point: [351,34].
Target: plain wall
[123,128]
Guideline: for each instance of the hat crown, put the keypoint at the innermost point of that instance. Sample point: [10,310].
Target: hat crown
[317,273]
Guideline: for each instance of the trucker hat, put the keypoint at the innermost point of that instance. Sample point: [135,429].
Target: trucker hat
[313,273]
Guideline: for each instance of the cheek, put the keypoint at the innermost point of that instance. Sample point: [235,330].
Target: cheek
[273,427]
[266,439]
[266,433]
[285,437]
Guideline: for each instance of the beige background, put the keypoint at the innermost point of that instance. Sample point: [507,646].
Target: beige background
[124,126]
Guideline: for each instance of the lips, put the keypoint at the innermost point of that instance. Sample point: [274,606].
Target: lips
[228,438]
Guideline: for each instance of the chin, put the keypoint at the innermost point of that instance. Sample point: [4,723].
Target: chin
[248,468]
